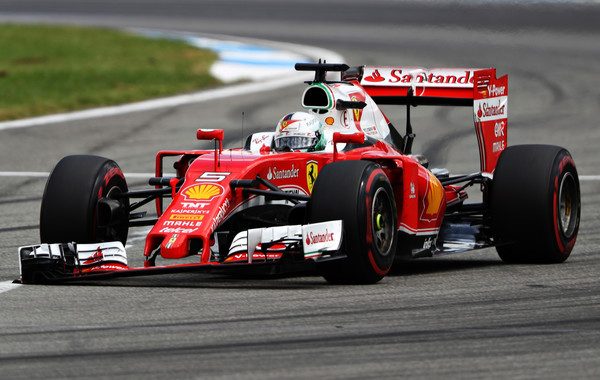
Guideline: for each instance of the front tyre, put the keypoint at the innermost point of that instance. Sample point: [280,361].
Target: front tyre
[81,203]
[359,193]
[535,204]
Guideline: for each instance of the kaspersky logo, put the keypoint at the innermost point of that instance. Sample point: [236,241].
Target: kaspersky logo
[202,192]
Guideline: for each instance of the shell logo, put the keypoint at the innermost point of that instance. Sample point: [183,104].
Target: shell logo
[203,192]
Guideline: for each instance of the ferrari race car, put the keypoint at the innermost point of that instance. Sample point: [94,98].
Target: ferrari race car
[347,211]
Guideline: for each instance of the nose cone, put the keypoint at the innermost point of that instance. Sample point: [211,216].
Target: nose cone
[175,246]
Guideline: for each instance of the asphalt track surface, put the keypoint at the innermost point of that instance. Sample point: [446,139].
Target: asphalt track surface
[464,316]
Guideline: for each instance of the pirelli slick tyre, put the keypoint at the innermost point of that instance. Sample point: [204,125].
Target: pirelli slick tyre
[359,193]
[79,203]
[535,204]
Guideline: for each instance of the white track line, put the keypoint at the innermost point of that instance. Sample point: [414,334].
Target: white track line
[589,177]
[5,286]
[174,101]
[24,174]
[46,174]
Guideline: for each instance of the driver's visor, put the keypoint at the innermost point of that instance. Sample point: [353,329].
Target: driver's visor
[295,142]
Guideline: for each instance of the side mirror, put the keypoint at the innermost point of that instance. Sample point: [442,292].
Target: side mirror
[212,134]
[349,138]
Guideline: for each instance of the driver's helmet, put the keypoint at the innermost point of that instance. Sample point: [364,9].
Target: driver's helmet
[299,131]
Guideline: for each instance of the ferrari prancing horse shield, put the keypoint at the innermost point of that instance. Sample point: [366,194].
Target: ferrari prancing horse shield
[312,171]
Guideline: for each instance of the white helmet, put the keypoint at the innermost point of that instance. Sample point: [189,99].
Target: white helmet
[299,131]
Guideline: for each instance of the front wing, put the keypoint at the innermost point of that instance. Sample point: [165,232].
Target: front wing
[64,262]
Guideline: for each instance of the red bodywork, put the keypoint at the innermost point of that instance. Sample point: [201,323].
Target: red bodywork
[205,199]
[212,186]
[201,204]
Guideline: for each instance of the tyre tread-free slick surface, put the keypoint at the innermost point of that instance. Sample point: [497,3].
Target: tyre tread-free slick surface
[69,211]
[529,181]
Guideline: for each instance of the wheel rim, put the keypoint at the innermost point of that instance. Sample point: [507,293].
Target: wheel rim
[382,222]
[568,205]
[110,231]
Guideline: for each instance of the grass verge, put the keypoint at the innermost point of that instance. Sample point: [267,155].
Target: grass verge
[48,69]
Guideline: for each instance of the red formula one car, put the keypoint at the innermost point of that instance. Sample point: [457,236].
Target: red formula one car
[348,210]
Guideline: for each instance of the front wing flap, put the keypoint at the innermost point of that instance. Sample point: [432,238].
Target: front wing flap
[317,241]
[45,262]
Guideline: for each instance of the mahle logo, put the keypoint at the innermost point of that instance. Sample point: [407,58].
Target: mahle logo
[203,192]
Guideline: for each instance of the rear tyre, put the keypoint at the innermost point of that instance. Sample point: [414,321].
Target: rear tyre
[359,193]
[79,202]
[535,204]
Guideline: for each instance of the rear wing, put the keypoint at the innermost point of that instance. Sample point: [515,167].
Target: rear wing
[471,87]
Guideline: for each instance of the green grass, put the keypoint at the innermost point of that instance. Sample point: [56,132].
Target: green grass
[49,69]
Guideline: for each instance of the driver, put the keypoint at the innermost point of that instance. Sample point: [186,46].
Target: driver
[299,131]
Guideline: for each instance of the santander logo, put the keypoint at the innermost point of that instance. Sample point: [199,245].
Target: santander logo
[275,173]
[312,238]
[375,77]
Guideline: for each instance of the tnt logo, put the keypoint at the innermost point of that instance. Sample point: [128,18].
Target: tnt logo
[194,205]
[499,129]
